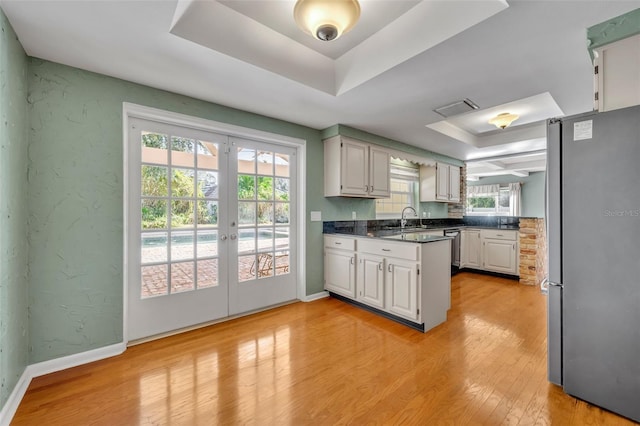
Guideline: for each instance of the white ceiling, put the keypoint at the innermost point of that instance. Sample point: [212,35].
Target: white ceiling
[402,60]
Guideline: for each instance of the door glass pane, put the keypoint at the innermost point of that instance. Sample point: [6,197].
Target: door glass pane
[182,277]
[207,155]
[207,184]
[282,263]
[154,214]
[154,281]
[154,181]
[246,240]
[246,187]
[207,273]
[246,268]
[154,247]
[182,245]
[182,152]
[265,239]
[265,188]
[282,238]
[182,214]
[265,265]
[207,244]
[246,213]
[182,183]
[155,148]
[282,165]
[246,161]
[265,213]
[207,213]
[265,163]
[282,189]
[282,213]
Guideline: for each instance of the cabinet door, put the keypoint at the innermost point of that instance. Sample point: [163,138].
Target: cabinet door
[402,288]
[354,167]
[339,272]
[500,256]
[442,182]
[474,259]
[370,280]
[454,184]
[379,171]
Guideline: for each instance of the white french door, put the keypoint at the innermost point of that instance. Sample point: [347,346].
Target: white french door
[211,221]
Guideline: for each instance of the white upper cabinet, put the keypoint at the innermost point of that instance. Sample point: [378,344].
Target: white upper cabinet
[355,169]
[440,183]
[617,74]
[379,171]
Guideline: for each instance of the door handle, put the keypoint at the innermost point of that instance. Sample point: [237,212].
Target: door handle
[223,237]
[233,236]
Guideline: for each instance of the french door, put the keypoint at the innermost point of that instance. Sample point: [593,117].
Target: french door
[211,220]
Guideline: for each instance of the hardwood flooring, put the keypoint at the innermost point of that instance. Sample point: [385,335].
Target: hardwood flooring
[326,363]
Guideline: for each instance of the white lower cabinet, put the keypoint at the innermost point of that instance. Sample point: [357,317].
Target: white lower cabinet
[500,251]
[340,265]
[402,288]
[370,280]
[408,280]
[470,249]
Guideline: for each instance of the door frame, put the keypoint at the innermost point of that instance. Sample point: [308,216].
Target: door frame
[130,110]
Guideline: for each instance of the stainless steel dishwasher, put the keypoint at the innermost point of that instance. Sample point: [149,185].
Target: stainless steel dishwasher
[455,246]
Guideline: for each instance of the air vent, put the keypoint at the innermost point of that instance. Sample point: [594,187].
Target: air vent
[456,108]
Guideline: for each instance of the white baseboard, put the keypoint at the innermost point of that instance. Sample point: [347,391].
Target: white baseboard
[41,368]
[59,364]
[11,406]
[316,296]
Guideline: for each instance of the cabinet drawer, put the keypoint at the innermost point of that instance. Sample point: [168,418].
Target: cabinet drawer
[400,250]
[342,243]
[498,234]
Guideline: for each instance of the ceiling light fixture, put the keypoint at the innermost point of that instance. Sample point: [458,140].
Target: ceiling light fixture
[502,121]
[326,20]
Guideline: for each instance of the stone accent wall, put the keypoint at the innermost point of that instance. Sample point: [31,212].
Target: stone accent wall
[533,251]
[456,210]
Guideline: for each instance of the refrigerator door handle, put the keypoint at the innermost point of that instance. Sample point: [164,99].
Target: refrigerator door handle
[552,284]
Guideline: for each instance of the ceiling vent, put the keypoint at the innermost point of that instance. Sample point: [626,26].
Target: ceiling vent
[456,108]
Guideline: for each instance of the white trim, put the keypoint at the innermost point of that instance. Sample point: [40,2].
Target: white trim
[130,110]
[15,397]
[70,361]
[316,296]
[51,366]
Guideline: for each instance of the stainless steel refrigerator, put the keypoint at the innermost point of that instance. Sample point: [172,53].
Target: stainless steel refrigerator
[593,224]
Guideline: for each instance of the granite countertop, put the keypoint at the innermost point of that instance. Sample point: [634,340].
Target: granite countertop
[410,235]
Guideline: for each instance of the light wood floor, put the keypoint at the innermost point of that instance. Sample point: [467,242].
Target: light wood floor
[325,363]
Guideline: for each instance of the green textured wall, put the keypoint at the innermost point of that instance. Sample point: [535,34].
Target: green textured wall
[75,200]
[14,342]
[532,191]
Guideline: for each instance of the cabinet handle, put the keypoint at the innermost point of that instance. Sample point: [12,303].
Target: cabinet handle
[366,188]
[386,249]
[371,188]
[390,268]
[352,261]
[379,266]
[514,247]
[499,235]
[337,243]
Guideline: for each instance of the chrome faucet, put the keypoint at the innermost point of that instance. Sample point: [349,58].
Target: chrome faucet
[403,221]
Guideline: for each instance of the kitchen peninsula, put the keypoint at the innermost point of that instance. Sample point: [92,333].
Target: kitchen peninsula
[403,276]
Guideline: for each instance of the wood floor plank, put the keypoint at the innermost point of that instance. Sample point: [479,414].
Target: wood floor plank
[327,362]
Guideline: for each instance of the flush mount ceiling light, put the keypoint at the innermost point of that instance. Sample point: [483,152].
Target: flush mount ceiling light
[326,20]
[503,120]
